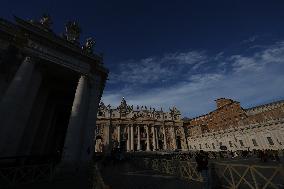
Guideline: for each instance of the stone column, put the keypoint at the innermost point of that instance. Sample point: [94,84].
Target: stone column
[11,105]
[174,138]
[96,86]
[132,138]
[138,138]
[74,135]
[107,138]
[165,138]
[157,139]
[118,135]
[184,141]
[128,138]
[154,138]
[148,138]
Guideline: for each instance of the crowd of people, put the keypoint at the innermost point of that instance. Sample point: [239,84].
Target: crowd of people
[117,155]
[262,155]
[201,158]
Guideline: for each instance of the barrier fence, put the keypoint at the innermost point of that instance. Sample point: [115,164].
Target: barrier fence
[12,176]
[19,170]
[222,174]
[250,176]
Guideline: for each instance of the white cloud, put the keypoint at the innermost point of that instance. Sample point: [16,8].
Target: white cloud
[252,80]
[191,57]
[251,39]
[153,69]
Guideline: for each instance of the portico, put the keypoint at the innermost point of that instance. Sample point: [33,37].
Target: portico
[51,89]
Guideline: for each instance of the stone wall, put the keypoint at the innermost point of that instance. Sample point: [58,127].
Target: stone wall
[236,128]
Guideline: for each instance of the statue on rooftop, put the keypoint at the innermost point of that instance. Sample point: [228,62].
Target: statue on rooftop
[72,31]
[46,21]
[109,107]
[89,45]
[102,105]
[123,105]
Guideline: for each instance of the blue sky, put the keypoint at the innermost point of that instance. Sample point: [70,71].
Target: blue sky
[182,53]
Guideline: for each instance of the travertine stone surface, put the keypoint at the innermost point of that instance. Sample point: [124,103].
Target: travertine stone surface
[144,127]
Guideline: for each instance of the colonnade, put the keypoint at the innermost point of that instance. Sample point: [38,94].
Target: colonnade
[149,129]
[16,106]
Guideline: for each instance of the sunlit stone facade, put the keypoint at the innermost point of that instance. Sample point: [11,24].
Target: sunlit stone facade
[230,125]
[139,129]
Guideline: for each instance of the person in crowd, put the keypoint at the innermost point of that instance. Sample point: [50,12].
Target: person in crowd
[202,166]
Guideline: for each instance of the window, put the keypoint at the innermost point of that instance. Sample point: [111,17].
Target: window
[230,143]
[200,146]
[241,143]
[100,113]
[254,142]
[113,115]
[213,145]
[270,141]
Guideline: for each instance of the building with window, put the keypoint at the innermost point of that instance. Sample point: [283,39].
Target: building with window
[230,125]
[139,129]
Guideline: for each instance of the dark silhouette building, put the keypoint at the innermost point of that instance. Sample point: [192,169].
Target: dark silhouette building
[50,88]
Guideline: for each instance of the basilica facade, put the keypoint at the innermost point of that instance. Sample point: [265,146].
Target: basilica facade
[139,129]
[228,127]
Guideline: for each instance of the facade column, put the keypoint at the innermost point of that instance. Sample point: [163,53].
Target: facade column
[118,135]
[96,86]
[74,135]
[154,138]
[157,139]
[148,138]
[138,138]
[184,145]
[174,138]
[165,138]
[132,138]
[107,137]
[11,106]
[128,138]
